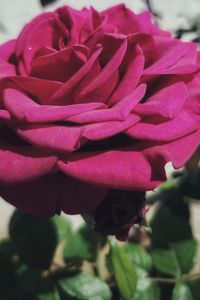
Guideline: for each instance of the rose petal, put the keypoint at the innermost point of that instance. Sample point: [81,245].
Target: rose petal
[59,66]
[163,103]
[122,18]
[185,122]
[138,167]
[62,95]
[168,55]
[7,70]
[7,50]
[96,91]
[133,70]
[53,193]
[41,89]
[25,109]
[118,112]
[23,163]
[69,138]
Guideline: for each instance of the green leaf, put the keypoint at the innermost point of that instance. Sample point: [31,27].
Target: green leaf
[83,286]
[182,292]
[168,227]
[123,270]
[94,239]
[186,253]
[139,256]
[147,290]
[47,291]
[63,227]
[165,261]
[186,290]
[34,239]
[76,248]
[178,260]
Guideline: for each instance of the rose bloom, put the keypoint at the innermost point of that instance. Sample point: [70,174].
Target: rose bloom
[92,107]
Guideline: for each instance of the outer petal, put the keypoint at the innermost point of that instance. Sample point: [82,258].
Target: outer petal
[69,138]
[49,195]
[165,102]
[171,57]
[7,50]
[133,168]
[25,109]
[186,122]
[23,163]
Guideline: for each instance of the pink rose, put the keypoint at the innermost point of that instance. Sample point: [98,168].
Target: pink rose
[90,102]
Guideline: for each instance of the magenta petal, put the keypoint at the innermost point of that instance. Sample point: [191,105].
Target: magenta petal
[23,163]
[42,89]
[131,76]
[147,26]
[59,66]
[95,91]
[7,70]
[184,123]
[163,102]
[52,137]
[49,195]
[119,111]
[125,169]
[78,197]
[168,57]
[7,50]
[39,198]
[25,109]
[62,95]
[138,167]
[122,18]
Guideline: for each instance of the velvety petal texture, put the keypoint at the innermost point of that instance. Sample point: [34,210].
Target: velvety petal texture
[92,106]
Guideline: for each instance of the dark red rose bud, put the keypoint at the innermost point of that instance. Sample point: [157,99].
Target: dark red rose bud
[118,212]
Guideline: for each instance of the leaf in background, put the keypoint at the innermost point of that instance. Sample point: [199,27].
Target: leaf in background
[94,239]
[34,239]
[123,270]
[178,260]
[186,253]
[165,261]
[7,276]
[84,286]
[18,295]
[76,248]
[168,227]
[63,227]
[47,291]
[182,292]
[6,249]
[139,256]
[190,184]
[25,276]
[147,290]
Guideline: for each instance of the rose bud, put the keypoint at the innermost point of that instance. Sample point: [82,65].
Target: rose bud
[116,214]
